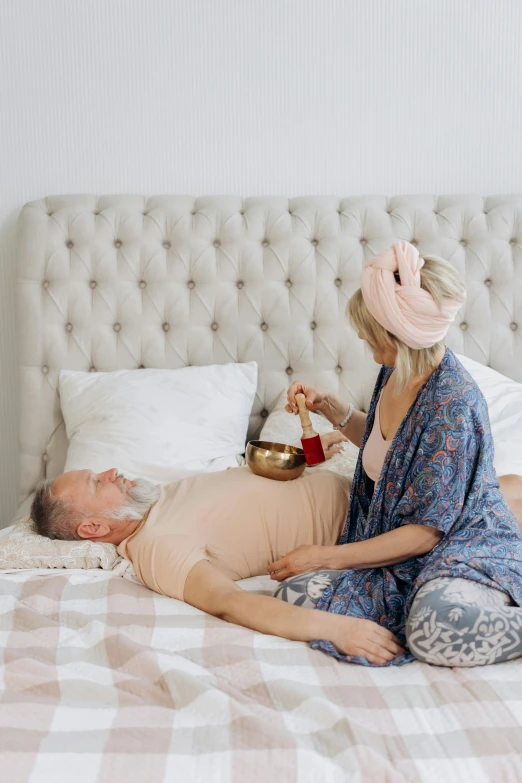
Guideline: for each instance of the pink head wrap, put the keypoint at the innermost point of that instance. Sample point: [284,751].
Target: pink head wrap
[406,310]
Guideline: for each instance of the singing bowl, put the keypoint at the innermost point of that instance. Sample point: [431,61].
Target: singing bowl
[275,460]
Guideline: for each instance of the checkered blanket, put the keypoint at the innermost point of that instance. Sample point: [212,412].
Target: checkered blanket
[102,680]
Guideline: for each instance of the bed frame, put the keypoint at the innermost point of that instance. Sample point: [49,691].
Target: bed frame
[123,282]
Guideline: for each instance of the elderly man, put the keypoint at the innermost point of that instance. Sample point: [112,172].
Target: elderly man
[194,538]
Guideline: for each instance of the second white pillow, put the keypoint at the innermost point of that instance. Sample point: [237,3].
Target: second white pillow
[160,425]
[504,398]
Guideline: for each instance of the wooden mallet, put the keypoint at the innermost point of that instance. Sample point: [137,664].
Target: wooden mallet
[310,440]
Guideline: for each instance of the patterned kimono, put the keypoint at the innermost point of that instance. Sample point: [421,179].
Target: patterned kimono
[438,472]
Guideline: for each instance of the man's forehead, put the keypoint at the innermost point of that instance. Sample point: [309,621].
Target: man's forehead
[73,480]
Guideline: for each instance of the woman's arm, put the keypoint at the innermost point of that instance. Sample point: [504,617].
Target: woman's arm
[335,410]
[390,548]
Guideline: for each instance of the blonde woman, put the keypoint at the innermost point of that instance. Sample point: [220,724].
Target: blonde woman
[430,550]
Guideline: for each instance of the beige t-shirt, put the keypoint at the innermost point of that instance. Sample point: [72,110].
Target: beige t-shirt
[238,521]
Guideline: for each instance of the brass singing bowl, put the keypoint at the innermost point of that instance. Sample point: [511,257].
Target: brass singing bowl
[275,460]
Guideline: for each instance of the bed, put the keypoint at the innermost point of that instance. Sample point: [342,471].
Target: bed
[103,680]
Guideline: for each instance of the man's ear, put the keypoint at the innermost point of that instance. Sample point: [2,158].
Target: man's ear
[93,528]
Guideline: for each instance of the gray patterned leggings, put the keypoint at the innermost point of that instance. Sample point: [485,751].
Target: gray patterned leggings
[452,622]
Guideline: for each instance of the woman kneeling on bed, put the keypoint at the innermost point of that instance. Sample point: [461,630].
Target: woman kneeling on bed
[430,550]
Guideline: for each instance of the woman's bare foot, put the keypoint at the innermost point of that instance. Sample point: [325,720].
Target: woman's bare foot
[366,639]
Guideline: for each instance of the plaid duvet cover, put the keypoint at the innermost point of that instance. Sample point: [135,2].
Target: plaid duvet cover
[103,681]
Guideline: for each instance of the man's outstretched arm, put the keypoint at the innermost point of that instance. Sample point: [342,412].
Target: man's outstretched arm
[208,589]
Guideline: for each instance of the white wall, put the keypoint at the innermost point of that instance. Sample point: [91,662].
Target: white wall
[250,97]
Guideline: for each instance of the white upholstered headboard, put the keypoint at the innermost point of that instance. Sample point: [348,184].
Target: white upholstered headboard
[116,282]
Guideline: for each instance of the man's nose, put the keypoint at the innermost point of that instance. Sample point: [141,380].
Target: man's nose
[109,475]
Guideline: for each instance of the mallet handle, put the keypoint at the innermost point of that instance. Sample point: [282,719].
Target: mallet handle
[304,415]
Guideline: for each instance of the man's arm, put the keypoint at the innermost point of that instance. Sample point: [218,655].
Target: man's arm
[208,589]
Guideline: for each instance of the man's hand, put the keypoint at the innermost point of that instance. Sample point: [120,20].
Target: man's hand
[331,443]
[367,639]
[301,560]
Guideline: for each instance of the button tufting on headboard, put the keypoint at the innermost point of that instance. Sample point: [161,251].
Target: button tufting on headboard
[173,281]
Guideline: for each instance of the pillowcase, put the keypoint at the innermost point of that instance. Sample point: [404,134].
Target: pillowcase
[21,547]
[159,425]
[283,427]
[504,399]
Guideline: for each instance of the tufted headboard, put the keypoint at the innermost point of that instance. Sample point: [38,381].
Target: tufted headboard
[115,282]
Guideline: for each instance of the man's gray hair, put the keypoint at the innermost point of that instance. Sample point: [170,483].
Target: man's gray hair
[54,517]
[57,518]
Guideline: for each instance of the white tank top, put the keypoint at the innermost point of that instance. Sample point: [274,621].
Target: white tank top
[376,449]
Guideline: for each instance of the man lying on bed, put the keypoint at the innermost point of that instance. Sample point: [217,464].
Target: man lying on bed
[194,538]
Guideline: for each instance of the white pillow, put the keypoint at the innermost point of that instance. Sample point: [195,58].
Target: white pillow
[283,427]
[21,547]
[504,399]
[160,425]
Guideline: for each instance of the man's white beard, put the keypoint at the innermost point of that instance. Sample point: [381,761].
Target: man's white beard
[140,498]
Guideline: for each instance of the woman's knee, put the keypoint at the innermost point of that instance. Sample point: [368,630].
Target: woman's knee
[454,622]
[441,621]
[305,589]
[421,628]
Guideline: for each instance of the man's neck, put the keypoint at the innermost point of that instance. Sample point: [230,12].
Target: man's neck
[121,533]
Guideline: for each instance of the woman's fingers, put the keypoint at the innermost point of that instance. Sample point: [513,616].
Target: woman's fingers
[313,397]
[280,569]
[277,565]
[280,576]
[296,388]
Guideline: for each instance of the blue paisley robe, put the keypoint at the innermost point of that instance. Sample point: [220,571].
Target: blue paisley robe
[438,472]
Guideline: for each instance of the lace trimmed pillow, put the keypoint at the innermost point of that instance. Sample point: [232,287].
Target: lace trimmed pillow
[23,548]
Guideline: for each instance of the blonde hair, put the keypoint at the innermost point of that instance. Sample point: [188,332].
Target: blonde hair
[438,278]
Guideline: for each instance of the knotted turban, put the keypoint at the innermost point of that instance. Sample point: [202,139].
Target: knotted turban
[405,309]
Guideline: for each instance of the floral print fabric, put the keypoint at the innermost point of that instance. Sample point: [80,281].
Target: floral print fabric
[438,472]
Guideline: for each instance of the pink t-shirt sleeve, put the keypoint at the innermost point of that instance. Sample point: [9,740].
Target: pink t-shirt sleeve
[163,563]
